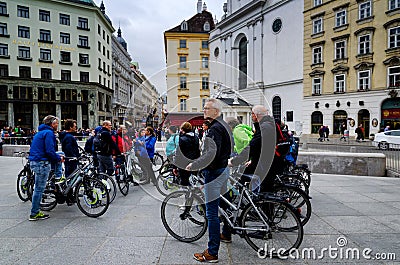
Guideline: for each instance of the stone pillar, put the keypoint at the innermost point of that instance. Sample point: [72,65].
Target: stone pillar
[79,116]
[58,111]
[35,116]
[11,114]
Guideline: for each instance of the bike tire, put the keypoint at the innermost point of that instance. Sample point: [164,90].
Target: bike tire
[158,162]
[183,215]
[122,182]
[48,201]
[295,180]
[109,182]
[304,173]
[92,197]
[25,185]
[138,175]
[166,183]
[279,233]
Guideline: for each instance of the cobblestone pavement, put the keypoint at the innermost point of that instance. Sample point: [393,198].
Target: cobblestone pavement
[364,211]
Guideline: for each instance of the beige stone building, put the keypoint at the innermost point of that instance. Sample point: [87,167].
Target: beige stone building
[351,64]
[187,58]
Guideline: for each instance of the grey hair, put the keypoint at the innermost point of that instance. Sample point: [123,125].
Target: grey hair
[232,122]
[215,104]
[106,122]
[49,119]
[260,110]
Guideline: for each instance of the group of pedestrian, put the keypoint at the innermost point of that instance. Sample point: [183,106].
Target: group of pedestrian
[323,133]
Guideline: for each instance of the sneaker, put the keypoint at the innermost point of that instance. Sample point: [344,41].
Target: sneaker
[38,216]
[225,239]
[60,180]
[205,257]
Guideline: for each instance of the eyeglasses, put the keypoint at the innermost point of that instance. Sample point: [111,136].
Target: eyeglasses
[207,108]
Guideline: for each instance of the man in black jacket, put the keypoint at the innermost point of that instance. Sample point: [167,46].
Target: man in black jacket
[108,148]
[69,145]
[217,148]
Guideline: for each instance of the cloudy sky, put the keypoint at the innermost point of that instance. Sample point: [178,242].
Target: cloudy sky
[143,23]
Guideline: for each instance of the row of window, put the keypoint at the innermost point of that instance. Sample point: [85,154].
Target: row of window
[364,12]
[183,62]
[392,4]
[183,44]
[204,83]
[183,104]
[363,81]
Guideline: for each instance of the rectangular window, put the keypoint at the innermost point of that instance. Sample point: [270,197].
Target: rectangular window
[23,11]
[317,25]
[182,61]
[24,52]
[204,44]
[3,29]
[340,18]
[317,86]
[84,76]
[394,37]
[108,54]
[340,50]
[64,19]
[3,49]
[3,8]
[104,50]
[45,35]
[98,29]
[363,80]
[44,15]
[182,43]
[364,46]
[393,4]
[203,102]
[100,64]
[83,41]
[182,82]
[99,46]
[289,116]
[83,58]
[65,38]
[317,2]
[25,71]
[317,55]
[83,23]
[394,76]
[204,62]
[23,32]
[45,54]
[45,73]
[365,10]
[3,70]
[183,104]
[204,83]
[65,57]
[65,75]
[108,39]
[340,82]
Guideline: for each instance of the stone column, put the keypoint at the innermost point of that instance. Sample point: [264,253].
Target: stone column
[58,111]
[79,116]
[11,114]
[35,116]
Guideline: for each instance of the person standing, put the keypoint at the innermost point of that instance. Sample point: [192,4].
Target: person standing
[144,147]
[172,143]
[360,133]
[69,145]
[326,132]
[342,129]
[41,154]
[107,148]
[218,147]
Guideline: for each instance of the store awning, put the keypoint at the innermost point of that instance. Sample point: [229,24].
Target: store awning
[176,119]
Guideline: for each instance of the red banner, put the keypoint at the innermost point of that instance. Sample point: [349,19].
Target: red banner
[391,114]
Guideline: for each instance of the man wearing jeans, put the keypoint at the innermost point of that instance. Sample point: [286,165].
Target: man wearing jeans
[42,154]
[217,148]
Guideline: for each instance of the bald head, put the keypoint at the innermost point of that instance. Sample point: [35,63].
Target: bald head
[258,112]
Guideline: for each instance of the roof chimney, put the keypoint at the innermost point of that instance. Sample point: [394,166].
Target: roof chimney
[199,5]
[204,7]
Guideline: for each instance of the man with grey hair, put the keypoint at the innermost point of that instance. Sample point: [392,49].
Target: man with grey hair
[214,160]
[41,154]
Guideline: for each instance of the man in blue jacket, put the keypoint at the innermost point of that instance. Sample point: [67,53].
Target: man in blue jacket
[42,154]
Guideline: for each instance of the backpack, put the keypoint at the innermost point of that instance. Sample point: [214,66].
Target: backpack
[242,135]
[283,141]
[99,145]
[89,145]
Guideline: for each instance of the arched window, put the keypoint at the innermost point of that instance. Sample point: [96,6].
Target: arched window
[339,117]
[276,107]
[206,26]
[243,63]
[317,120]
[184,26]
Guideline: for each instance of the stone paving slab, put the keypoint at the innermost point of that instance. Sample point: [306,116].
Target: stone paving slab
[363,210]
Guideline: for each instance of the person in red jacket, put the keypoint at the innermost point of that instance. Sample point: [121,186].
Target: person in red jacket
[122,139]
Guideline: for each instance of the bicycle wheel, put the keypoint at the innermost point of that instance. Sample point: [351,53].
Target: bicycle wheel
[298,199]
[166,183]
[92,197]
[157,162]
[183,214]
[25,184]
[122,181]
[281,232]
[49,200]
[295,180]
[109,183]
[138,174]
[304,173]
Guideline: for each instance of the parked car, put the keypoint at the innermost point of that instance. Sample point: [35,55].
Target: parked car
[387,140]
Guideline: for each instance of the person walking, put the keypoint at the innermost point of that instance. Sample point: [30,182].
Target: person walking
[218,147]
[326,132]
[188,150]
[41,154]
[321,134]
[360,133]
[342,129]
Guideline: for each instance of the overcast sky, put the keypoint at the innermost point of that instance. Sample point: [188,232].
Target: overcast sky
[143,23]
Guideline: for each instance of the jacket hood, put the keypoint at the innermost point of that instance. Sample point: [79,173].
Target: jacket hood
[61,135]
[43,127]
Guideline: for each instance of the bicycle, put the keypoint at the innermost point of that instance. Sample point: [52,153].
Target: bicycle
[25,178]
[157,161]
[91,194]
[260,219]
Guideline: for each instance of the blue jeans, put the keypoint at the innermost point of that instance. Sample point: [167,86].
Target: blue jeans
[215,184]
[42,172]
[106,164]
